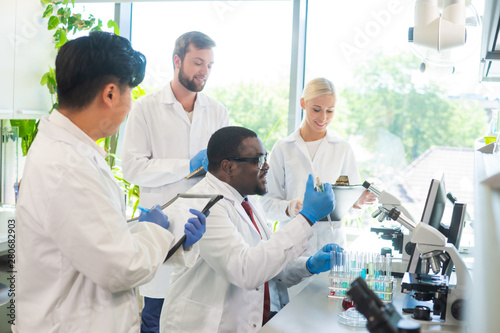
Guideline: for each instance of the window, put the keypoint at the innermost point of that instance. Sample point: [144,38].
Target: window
[252,58]
[405,126]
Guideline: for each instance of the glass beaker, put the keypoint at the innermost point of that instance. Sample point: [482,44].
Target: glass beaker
[9,161]
[496,146]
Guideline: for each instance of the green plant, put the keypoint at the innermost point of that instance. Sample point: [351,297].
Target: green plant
[66,23]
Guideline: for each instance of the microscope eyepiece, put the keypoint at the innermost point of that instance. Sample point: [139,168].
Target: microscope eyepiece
[394,214]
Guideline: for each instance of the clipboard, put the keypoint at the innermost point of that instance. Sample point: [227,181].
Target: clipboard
[345,197]
[196,173]
[176,230]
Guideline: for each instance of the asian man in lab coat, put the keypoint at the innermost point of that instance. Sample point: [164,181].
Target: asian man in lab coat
[242,264]
[166,138]
[77,259]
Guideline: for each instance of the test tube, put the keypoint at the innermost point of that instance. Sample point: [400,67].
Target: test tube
[340,268]
[353,264]
[388,266]
[333,257]
[345,260]
[377,273]
[364,265]
[333,270]
[388,273]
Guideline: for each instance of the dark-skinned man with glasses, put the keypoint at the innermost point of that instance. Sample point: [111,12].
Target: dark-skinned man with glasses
[242,265]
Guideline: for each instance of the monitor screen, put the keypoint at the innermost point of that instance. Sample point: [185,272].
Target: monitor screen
[432,215]
[435,204]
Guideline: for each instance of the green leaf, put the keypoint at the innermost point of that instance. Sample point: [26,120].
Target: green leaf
[71,22]
[44,79]
[53,22]
[135,208]
[45,1]
[48,11]
[138,92]
[26,126]
[114,25]
[62,39]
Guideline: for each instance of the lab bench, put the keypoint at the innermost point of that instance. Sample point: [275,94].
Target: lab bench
[311,310]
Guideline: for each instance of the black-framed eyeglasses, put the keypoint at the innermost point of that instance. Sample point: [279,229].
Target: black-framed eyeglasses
[260,161]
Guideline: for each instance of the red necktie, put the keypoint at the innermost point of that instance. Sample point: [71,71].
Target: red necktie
[267,299]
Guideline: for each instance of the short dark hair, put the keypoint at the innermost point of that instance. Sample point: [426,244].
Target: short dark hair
[198,39]
[86,64]
[226,143]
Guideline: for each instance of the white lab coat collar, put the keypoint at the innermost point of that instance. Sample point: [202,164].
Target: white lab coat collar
[295,136]
[58,119]
[200,104]
[233,196]
[168,97]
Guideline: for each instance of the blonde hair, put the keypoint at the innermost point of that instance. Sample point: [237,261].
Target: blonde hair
[318,87]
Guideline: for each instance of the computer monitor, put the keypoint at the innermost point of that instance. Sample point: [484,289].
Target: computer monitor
[432,214]
[434,211]
[435,204]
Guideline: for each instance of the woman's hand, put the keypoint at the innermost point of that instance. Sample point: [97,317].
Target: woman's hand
[367,198]
[294,207]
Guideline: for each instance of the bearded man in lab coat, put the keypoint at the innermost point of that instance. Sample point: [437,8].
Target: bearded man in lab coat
[165,140]
[242,264]
[78,260]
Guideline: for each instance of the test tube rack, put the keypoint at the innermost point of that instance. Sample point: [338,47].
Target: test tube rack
[383,288]
[374,268]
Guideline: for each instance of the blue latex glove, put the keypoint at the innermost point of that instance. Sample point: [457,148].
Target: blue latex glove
[197,160]
[321,260]
[194,228]
[317,205]
[205,164]
[155,215]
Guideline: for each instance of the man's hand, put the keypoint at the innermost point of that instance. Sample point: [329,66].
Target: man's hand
[156,216]
[194,228]
[321,260]
[317,205]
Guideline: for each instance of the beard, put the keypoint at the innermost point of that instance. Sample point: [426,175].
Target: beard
[190,85]
[261,191]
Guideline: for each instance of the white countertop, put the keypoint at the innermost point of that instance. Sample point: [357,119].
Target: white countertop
[313,311]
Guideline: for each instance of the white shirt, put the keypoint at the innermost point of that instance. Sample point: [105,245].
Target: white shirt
[224,290]
[158,144]
[77,259]
[289,167]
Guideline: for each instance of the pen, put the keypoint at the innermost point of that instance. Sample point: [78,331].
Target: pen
[145,210]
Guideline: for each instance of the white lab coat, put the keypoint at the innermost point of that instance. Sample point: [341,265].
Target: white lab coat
[290,166]
[224,290]
[158,144]
[76,258]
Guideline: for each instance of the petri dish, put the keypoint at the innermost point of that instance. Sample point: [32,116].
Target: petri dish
[351,317]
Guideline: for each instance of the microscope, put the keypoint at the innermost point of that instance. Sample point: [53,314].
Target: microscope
[399,236]
[381,317]
[433,250]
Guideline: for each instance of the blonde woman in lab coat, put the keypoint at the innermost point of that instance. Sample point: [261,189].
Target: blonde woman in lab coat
[312,149]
